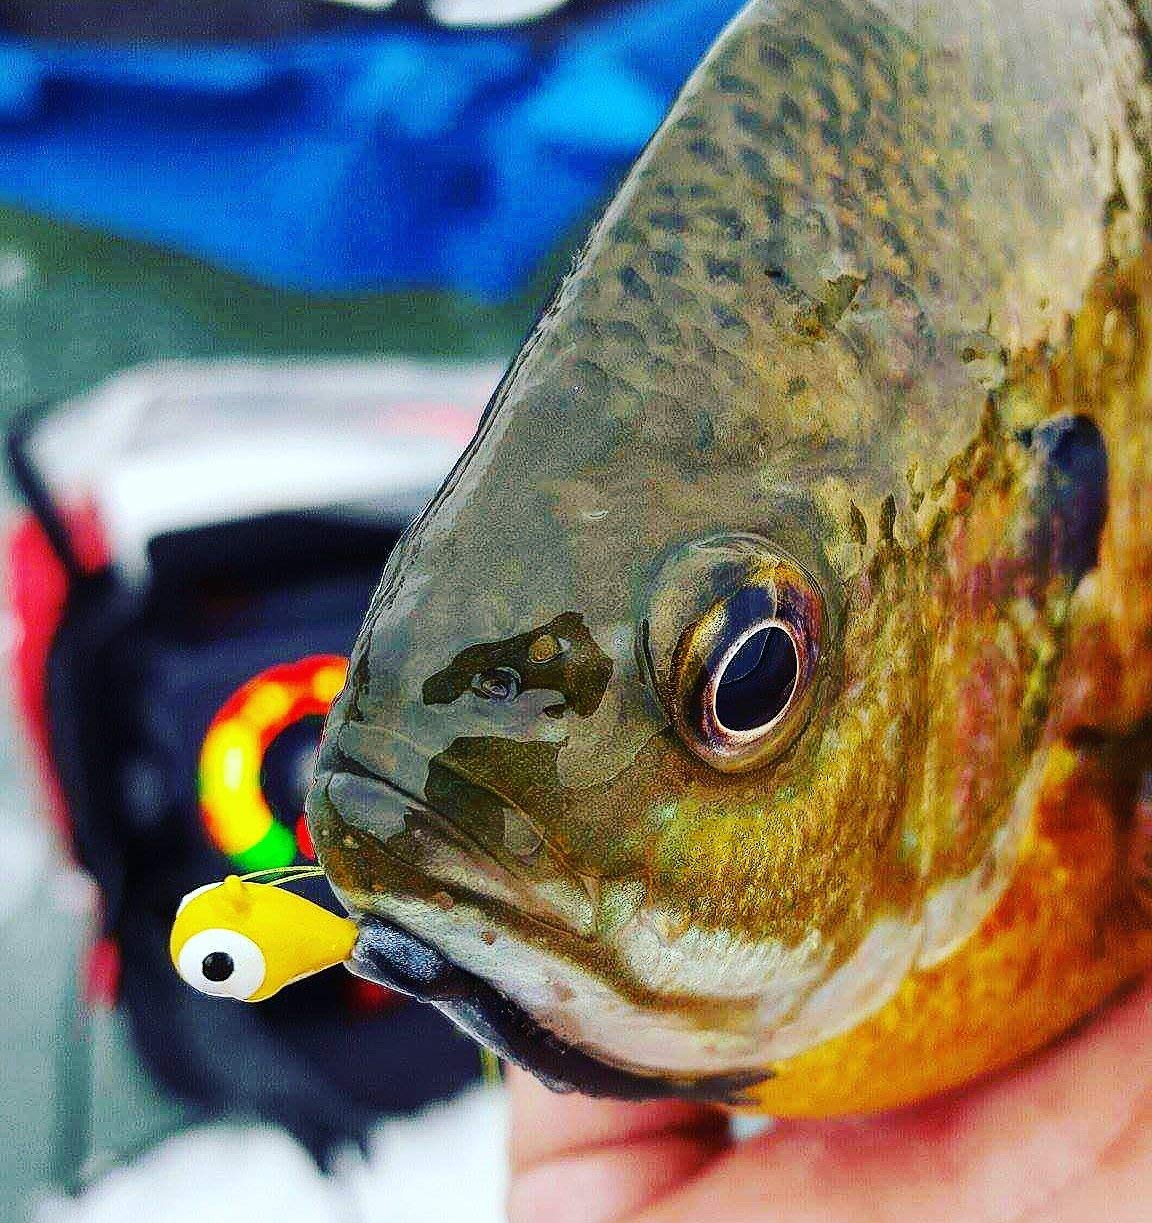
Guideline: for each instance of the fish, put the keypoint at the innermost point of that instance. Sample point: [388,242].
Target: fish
[760,711]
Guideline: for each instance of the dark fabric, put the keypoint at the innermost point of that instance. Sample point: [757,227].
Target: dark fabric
[134,681]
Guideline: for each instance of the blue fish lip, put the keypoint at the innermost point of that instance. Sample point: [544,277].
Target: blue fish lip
[391,956]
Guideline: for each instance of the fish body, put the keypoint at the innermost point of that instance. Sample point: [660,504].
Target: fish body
[761,708]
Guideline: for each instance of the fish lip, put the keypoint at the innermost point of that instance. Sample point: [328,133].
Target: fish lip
[388,954]
[411,799]
[405,799]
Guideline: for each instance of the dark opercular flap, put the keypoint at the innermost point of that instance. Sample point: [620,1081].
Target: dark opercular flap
[1071,494]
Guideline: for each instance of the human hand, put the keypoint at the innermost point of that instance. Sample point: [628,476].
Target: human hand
[1064,1138]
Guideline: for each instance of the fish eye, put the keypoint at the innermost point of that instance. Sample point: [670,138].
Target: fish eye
[223,963]
[742,673]
[499,684]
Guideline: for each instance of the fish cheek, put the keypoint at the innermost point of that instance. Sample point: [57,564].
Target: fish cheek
[600,720]
[601,749]
[509,795]
[554,783]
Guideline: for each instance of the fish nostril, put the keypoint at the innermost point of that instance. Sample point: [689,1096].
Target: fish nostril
[499,684]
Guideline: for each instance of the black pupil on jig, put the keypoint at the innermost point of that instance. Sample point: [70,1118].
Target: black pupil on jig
[758,681]
[217,966]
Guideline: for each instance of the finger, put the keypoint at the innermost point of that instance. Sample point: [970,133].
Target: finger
[546,1125]
[593,1161]
[1010,1149]
[1119,1189]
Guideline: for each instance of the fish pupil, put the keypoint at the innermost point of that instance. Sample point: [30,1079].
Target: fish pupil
[758,681]
[217,966]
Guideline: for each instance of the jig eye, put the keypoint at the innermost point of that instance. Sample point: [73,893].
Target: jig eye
[223,963]
[500,684]
[742,674]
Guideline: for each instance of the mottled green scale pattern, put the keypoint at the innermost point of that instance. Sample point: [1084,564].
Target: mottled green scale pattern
[833,156]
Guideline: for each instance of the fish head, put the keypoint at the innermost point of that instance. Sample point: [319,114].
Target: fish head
[690,762]
[708,698]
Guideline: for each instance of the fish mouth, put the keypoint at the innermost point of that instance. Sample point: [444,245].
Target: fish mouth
[392,956]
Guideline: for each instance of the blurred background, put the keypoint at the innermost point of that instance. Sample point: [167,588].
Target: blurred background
[261,265]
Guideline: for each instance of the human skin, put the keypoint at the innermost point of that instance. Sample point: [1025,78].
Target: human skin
[1063,1138]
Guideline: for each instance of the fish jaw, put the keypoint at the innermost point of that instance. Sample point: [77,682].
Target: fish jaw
[392,957]
[653,995]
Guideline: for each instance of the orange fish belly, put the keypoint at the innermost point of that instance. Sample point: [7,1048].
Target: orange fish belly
[1067,934]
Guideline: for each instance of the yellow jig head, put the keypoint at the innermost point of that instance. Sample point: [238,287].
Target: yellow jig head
[244,940]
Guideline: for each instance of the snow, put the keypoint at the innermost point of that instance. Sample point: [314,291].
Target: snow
[445,1166]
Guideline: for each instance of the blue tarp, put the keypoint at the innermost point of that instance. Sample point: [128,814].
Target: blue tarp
[406,155]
